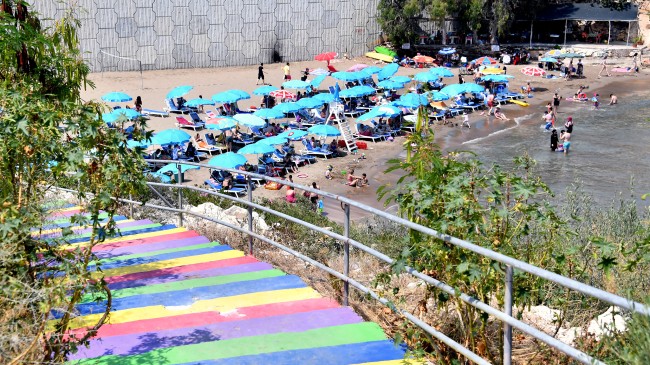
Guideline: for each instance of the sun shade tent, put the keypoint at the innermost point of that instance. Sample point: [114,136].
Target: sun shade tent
[628,12]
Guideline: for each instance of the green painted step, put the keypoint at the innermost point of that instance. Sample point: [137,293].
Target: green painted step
[160,252]
[322,337]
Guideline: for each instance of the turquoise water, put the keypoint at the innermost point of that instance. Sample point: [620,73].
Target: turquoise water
[610,148]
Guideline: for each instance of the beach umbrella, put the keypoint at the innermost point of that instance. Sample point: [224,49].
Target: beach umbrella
[453,89]
[128,113]
[573,55]
[324,130]
[380,111]
[179,91]
[548,59]
[533,71]
[327,56]
[423,59]
[371,70]
[282,94]
[357,67]
[426,77]
[485,60]
[290,107]
[491,71]
[267,113]
[241,93]
[470,87]
[132,143]
[438,96]
[496,78]
[273,140]
[554,53]
[108,117]
[116,97]
[390,85]
[349,76]
[226,97]
[447,51]
[294,134]
[222,124]
[228,160]
[265,90]
[256,148]
[388,71]
[170,136]
[324,97]
[315,83]
[441,72]
[319,72]
[296,84]
[357,91]
[310,103]
[401,79]
[198,102]
[173,168]
[249,120]
[412,100]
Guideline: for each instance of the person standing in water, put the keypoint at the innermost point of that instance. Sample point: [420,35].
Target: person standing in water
[566,141]
[569,125]
[554,140]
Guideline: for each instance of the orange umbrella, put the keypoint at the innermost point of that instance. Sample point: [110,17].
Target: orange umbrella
[327,56]
[423,59]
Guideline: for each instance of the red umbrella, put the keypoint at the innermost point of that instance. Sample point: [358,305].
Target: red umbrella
[533,71]
[327,56]
[485,60]
[423,59]
[282,94]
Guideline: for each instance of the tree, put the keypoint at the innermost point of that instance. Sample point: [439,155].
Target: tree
[398,19]
[51,137]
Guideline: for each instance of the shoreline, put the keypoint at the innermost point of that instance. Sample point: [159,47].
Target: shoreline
[207,82]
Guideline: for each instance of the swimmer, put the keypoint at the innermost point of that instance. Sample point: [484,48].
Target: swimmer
[613,99]
[499,115]
[595,101]
[566,139]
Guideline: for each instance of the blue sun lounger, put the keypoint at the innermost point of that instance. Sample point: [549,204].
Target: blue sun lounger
[155,113]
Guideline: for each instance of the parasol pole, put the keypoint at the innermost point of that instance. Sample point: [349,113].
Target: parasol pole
[530,45]
[566,22]
[609,31]
[627,40]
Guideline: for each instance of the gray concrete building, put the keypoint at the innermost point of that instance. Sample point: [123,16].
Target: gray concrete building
[121,35]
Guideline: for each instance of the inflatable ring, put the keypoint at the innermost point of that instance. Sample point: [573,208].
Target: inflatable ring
[302,176]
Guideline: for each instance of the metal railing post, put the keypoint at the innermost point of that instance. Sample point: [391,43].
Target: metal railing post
[250,214]
[130,207]
[507,329]
[346,254]
[180,195]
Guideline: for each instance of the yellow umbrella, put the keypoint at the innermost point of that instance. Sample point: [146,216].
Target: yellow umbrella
[439,104]
[492,71]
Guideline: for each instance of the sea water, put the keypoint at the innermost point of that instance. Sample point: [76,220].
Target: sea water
[609,154]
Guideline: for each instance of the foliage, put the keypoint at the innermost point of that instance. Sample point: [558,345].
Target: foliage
[631,347]
[397,19]
[48,132]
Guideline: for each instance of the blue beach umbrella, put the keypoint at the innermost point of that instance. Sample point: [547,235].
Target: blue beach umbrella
[296,84]
[548,59]
[438,96]
[290,107]
[412,100]
[256,148]
[249,120]
[272,141]
[132,143]
[324,97]
[390,85]
[315,83]
[116,97]
[470,87]
[293,135]
[173,168]
[170,136]
[264,90]
[198,102]
[108,117]
[349,76]
[388,71]
[310,103]
[447,51]
[379,112]
[324,130]
[267,113]
[441,72]
[128,113]
[401,79]
[426,77]
[357,91]
[453,89]
[371,70]
[228,160]
[496,78]
[241,93]
[179,91]
[223,124]
[226,97]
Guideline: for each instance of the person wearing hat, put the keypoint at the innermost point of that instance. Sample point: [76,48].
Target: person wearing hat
[569,125]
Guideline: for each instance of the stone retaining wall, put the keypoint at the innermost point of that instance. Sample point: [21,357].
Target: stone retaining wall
[164,34]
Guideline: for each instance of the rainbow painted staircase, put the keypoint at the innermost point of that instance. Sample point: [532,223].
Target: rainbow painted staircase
[180,299]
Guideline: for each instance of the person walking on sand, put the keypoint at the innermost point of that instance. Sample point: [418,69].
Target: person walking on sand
[287,72]
[260,74]
[604,68]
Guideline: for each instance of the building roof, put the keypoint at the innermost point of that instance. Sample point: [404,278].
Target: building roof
[589,11]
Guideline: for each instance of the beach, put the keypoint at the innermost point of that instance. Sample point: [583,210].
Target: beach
[152,86]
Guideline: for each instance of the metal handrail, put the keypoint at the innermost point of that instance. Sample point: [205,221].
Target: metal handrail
[511,263]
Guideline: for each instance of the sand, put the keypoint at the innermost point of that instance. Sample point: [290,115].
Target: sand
[152,86]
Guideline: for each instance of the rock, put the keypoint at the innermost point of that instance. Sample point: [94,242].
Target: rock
[234,215]
[607,323]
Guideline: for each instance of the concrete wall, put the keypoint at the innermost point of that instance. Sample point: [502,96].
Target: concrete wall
[165,34]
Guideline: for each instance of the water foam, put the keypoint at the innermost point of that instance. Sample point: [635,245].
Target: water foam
[518,122]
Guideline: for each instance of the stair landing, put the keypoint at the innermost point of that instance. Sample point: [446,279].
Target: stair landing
[180,299]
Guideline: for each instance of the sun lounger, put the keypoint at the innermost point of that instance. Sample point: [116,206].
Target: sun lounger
[155,113]
[372,137]
[171,108]
[184,123]
[310,150]
[215,185]
[471,106]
